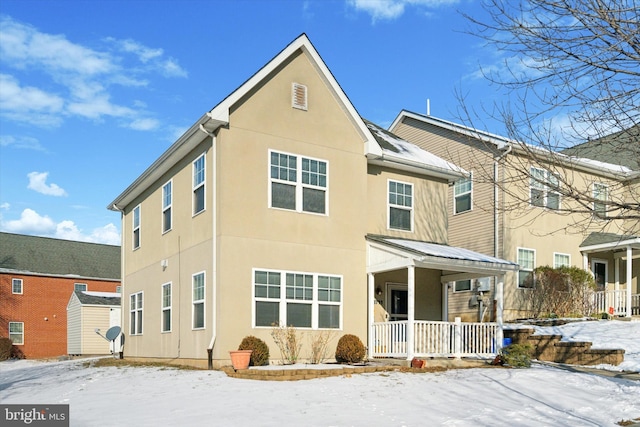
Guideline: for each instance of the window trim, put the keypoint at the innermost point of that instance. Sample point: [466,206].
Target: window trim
[14,333]
[194,302]
[598,201]
[544,187]
[282,301]
[198,185]
[530,270]
[164,308]
[470,193]
[169,207]
[139,325]
[298,185]
[14,281]
[411,209]
[75,287]
[135,228]
[555,264]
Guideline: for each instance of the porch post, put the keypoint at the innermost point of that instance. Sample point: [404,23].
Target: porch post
[629,265]
[617,274]
[499,309]
[585,262]
[411,315]
[370,298]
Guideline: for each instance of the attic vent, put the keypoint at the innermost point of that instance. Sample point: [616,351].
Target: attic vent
[299,96]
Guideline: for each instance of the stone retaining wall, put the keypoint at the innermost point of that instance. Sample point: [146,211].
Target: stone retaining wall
[550,348]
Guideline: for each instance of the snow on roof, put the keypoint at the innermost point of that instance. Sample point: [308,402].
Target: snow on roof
[102,294]
[445,251]
[397,148]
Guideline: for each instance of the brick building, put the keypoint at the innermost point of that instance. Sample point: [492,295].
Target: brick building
[38,276]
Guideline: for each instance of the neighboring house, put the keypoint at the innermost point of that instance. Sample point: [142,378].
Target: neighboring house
[89,316]
[482,217]
[282,206]
[37,277]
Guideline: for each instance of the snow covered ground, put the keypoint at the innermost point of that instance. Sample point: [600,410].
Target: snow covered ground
[537,396]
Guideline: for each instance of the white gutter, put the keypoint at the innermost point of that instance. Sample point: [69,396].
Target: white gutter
[214,272]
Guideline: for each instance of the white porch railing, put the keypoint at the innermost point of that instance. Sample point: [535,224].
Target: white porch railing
[603,301]
[435,339]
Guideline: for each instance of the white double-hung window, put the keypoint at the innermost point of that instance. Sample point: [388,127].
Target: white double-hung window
[198,184]
[167,200]
[400,205]
[135,313]
[302,300]
[600,197]
[16,332]
[136,227]
[462,195]
[544,189]
[527,262]
[198,300]
[166,307]
[298,183]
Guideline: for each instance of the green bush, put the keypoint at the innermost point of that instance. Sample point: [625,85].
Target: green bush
[350,349]
[260,353]
[517,355]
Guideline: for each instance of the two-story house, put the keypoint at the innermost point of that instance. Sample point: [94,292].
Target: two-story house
[282,206]
[547,229]
[38,275]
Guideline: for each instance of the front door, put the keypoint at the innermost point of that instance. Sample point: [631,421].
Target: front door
[397,302]
[599,269]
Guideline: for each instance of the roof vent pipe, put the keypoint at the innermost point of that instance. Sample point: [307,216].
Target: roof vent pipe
[428,107]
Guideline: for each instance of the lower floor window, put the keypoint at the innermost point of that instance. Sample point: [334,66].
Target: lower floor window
[16,332]
[302,300]
[462,285]
[135,310]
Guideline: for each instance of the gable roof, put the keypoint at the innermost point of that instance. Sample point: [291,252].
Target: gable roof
[599,241]
[621,147]
[219,116]
[595,166]
[401,154]
[55,257]
[98,298]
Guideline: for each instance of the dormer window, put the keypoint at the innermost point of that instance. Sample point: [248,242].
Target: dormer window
[299,96]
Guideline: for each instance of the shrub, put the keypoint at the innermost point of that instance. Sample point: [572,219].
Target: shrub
[319,343]
[350,349]
[288,341]
[260,350]
[517,355]
[9,351]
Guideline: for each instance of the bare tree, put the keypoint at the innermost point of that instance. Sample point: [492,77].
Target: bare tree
[571,72]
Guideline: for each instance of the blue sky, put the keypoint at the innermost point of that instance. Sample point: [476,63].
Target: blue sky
[92,92]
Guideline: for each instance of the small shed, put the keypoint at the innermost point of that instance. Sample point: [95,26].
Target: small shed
[89,313]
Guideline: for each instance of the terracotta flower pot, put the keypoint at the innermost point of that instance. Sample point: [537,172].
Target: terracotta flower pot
[240,358]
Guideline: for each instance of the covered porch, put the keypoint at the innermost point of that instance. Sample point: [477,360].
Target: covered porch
[603,252]
[408,288]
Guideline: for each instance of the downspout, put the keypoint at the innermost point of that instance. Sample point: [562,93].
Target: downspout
[122,258]
[496,211]
[214,273]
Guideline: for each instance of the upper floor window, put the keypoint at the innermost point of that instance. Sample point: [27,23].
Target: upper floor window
[16,332]
[135,312]
[136,227]
[527,262]
[400,205]
[198,301]
[166,207]
[303,300]
[16,286]
[80,287]
[561,260]
[166,307]
[298,183]
[198,184]
[544,189]
[600,198]
[462,195]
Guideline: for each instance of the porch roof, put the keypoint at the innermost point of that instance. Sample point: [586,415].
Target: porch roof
[597,242]
[392,253]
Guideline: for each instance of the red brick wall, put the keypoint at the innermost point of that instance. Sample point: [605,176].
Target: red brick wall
[42,297]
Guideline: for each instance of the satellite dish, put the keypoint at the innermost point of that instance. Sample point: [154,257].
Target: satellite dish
[113,333]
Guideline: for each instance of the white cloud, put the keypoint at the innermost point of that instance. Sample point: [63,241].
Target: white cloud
[22,142]
[38,183]
[392,9]
[5,206]
[32,223]
[80,79]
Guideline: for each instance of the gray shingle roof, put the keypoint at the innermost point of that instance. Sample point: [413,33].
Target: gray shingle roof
[47,256]
[92,299]
[621,148]
[604,238]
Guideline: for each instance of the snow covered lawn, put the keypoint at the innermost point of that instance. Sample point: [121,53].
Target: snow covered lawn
[537,396]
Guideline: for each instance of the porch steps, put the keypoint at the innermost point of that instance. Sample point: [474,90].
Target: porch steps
[550,348]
